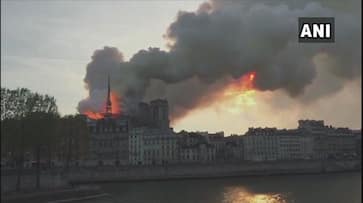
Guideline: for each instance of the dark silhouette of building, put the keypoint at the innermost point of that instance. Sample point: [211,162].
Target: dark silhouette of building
[108,112]
[144,114]
[160,113]
[109,136]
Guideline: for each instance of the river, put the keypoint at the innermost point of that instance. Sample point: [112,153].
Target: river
[330,188]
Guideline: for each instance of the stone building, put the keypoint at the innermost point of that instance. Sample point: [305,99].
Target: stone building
[218,141]
[159,111]
[195,147]
[109,141]
[152,146]
[275,144]
[329,142]
[293,145]
[358,136]
[234,148]
[261,144]
[199,153]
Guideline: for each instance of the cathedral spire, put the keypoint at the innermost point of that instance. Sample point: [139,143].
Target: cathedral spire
[108,102]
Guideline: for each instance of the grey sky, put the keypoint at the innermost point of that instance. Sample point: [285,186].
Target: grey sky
[46,45]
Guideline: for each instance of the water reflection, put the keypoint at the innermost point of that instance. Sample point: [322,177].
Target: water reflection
[241,195]
[337,188]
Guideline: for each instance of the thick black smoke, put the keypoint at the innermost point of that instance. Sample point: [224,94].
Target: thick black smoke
[227,39]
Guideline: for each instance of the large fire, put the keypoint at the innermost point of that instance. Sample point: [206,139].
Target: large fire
[241,93]
[115,108]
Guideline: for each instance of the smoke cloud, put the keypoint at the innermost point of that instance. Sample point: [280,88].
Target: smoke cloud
[223,40]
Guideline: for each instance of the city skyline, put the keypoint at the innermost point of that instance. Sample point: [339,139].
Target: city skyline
[55,50]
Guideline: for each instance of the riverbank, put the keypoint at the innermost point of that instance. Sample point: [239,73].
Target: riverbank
[55,179]
[215,170]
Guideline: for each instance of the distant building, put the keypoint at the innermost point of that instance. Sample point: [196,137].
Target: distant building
[108,137]
[152,146]
[328,141]
[260,144]
[293,145]
[159,110]
[218,141]
[273,144]
[195,147]
[314,126]
[358,136]
[234,148]
[335,143]
[109,140]
[199,153]
[144,114]
[147,139]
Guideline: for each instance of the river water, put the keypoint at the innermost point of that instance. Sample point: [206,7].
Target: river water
[330,188]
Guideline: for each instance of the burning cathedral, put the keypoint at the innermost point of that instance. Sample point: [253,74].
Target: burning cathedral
[109,131]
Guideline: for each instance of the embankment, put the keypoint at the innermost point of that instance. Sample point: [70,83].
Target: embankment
[142,173]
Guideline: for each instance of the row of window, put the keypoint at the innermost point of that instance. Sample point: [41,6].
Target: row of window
[196,157]
[290,145]
[104,143]
[156,152]
[107,129]
[158,141]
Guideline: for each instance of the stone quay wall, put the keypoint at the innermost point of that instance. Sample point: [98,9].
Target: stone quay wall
[140,173]
[56,178]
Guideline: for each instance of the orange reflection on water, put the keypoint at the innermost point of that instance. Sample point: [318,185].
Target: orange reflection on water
[240,195]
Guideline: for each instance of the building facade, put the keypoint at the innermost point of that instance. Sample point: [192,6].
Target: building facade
[147,139]
[358,137]
[329,142]
[159,110]
[195,147]
[148,146]
[271,144]
[260,144]
[109,141]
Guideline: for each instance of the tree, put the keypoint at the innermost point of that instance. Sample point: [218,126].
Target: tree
[40,127]
[16,104]
[22,107]
[10,139]
[74,138]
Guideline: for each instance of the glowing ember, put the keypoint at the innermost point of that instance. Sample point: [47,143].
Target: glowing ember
[115,101]
[115,108]
[252,76]
[93,115]
[241,93]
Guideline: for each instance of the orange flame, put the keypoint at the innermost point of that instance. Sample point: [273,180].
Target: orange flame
[93,115]
[115,102]
[246,82]
[241,93]
[115,108]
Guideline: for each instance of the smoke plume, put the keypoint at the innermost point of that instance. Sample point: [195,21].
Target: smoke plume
[222,41]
